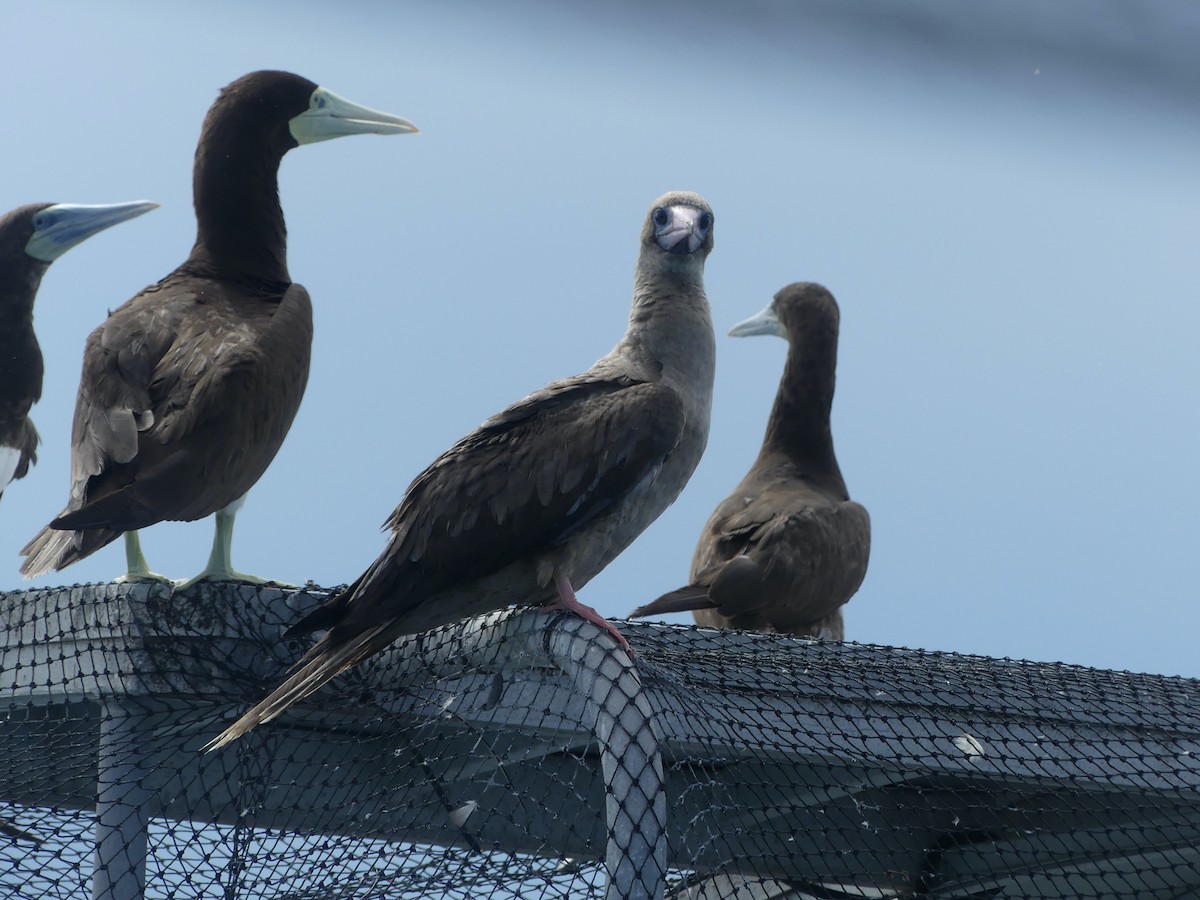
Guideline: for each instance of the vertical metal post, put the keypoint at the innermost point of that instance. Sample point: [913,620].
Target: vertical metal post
[635,790]
[619,713]
[254,755]
[121,815]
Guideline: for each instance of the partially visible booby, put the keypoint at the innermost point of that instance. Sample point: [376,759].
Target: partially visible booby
[189,388]
[788,547]
[32,237]
[538,499]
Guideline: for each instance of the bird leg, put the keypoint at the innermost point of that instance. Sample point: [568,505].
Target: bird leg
[219,567]
[568,601]
[136,568]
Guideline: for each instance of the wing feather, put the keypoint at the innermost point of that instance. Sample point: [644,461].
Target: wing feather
[780,556]
[516,487]
[186,394]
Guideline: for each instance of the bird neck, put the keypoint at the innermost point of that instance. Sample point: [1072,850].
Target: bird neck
[798,429]
[20,355]
[20,279]
[240,232]
[670,326]
[19,283]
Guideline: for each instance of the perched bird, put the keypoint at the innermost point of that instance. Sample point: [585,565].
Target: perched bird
[539,498]
[189,388]
[32,237]
[788,547]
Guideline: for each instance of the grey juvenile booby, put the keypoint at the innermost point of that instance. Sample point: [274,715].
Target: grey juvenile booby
[539,498]
[788,547]
[32,237]
[189,388]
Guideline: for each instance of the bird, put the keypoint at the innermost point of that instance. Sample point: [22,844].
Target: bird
[31,238]
[537,500]
[12,832]
[189,388]
[788,547]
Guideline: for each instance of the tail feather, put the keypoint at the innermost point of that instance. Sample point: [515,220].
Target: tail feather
[693,596]
[54,549]
[123,506]
[325,616]
[320,665]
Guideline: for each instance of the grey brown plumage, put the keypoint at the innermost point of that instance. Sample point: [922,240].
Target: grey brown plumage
[155,416]
[31,238]
[189,388]
[555,486]
[788,547]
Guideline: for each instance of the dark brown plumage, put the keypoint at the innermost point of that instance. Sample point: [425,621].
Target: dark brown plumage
[788,547]
[540,498]
[31,238]
[189,388]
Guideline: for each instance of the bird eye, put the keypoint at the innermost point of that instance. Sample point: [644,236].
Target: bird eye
[40,221]
[705,221]
[317,102]
[660,217]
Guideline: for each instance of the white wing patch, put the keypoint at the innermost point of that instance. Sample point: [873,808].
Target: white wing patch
[9,457]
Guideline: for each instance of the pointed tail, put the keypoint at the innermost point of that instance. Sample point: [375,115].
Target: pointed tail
[693,596]
[321,664]
[54,549]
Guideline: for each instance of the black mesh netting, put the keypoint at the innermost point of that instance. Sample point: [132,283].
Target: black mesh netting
[523,756]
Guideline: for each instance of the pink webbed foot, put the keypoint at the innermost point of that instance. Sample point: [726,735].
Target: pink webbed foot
[568,601]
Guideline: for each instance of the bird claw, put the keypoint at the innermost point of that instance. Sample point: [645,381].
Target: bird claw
[146,577]
[569,602]
[229,575]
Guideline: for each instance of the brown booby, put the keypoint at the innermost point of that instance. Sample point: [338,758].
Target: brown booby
[32,237]
[541,497]
[788,547]
[189,388]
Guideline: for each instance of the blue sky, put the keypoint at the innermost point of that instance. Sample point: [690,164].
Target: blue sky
[1009,227]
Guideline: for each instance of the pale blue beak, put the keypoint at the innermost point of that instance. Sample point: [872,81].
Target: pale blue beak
[58,228]
[765,322]
[330,116]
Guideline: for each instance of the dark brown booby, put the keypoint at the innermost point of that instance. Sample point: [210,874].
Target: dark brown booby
[189,388]
[788,547]
[31,238]
[540,498]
